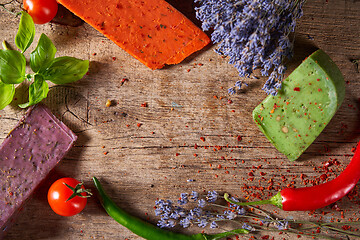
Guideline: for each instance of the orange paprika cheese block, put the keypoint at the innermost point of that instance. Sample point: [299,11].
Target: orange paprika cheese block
[152,31]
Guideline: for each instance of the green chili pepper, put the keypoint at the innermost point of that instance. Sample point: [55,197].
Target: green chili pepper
[147,230]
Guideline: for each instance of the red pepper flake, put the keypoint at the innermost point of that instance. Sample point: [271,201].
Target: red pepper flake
[124,80]
[346,227]
[296,89]
[177,154]
[144,104]
[202,139]
[113,58]
[139,124]
[318,79]
[265,237]
[323,177]
[239,138]
[319,90]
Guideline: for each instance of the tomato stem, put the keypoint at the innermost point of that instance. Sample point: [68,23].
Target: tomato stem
[77,191]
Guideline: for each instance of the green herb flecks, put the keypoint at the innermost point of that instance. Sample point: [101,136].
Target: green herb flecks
[43,63]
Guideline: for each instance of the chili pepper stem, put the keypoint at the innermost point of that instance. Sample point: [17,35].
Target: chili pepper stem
[276,200]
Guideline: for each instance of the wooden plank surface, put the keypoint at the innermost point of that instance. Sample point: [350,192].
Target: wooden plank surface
[145,153]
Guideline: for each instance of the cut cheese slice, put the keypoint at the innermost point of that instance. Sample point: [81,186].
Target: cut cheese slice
[306,103]
[152,31]
[27,155]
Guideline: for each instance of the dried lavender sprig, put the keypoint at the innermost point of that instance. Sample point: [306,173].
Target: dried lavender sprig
[171,215]
[253,34]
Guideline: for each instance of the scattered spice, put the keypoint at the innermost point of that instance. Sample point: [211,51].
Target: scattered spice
[123,81]
[108,103]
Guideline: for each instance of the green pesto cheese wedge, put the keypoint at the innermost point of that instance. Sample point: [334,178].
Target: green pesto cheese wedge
[305,104]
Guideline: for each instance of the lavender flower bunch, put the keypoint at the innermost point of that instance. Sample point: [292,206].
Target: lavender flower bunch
[254,34]
[201,213]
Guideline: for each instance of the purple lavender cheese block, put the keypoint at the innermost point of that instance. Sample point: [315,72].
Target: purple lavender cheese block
[29,152]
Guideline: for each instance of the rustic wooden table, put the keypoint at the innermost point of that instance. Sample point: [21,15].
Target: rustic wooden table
[177,130]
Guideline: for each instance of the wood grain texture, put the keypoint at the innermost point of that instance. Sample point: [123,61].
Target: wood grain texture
[145,153]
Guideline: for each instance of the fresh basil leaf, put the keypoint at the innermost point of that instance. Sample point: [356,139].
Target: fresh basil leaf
[43,54]
[12,66]
[38,90]
[64,70]
[7,92]
[26,32]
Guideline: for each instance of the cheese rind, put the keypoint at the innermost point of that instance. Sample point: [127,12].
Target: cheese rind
[306,103]
[152,31]
[29,152]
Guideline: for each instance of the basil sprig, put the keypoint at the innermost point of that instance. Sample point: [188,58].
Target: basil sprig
[43,54]
[12,66]
[26,32]
[44,64]
[7,92]
[64,70]
[38,90]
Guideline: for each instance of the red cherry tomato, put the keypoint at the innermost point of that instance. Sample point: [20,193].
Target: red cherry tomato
[41,11]
[59,194]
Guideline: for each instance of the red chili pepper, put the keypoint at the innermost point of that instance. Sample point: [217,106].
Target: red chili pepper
[315,197]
